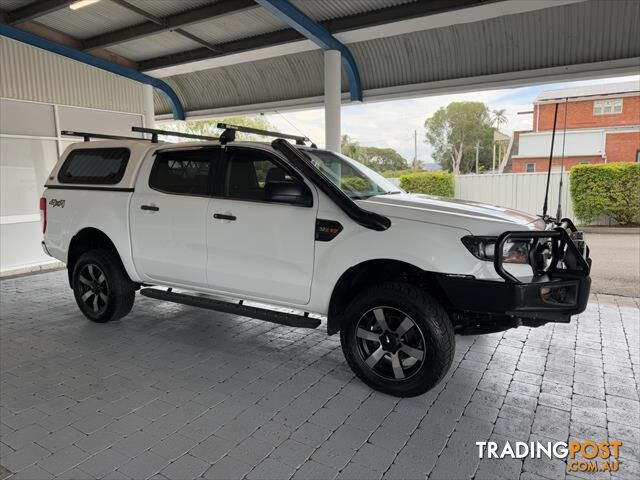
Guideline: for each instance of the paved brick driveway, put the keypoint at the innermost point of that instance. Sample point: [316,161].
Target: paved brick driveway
[178,392]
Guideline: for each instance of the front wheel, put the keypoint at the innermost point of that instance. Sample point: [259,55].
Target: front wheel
[397,339]
[101,286]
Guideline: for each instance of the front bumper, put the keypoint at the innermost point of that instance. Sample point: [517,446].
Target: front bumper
[526,301]
[553,295]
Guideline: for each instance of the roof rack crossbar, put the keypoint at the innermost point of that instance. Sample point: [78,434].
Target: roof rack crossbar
[88,136]
[155,132]
[229,133]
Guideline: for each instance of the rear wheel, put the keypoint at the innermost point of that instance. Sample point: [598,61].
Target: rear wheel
[398,339]
[101,286]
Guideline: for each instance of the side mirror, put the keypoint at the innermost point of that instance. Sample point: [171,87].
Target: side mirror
[291,192]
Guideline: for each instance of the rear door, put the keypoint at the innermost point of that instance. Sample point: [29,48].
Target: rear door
[257,248]
[169,213]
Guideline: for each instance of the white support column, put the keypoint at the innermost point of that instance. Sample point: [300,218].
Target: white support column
[147,106]
[332,94]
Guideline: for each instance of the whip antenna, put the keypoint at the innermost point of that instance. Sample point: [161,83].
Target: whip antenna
[553,137]
[564,137]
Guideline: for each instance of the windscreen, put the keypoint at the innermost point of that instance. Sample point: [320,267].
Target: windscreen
[354,179]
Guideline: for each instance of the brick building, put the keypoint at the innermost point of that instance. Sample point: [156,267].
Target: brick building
[603,125]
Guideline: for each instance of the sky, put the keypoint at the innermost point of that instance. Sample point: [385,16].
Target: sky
[392,123]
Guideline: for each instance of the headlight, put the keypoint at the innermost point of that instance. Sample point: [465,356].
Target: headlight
[514,251]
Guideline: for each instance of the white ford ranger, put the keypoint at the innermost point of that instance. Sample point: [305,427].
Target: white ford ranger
[397,274]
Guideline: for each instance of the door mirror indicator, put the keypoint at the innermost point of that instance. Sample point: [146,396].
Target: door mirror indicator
[291,192]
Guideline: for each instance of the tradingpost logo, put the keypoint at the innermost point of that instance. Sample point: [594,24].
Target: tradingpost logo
[598,457]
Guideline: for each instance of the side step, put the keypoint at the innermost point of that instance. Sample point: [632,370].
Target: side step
[289,319]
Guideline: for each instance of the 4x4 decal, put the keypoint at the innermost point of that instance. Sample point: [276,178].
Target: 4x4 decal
[56,203]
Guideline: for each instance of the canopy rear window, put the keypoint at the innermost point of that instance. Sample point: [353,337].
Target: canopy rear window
[103,166]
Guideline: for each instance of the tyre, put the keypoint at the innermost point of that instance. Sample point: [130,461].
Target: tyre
[101,286]
[397,339]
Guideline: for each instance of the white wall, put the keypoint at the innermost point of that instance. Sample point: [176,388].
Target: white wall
[589,142]
[30,144]
[42,93]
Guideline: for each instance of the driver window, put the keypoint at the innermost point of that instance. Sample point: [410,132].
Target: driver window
[248,171]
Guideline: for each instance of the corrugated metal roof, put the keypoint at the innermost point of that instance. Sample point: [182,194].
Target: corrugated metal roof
[259,21]
[8,5]
[245,83]
[537,39]
[329,9]
[590,90]
[240,25]
[164,8]
[94,19]
[154,45]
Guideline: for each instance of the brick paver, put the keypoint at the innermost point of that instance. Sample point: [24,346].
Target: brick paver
[177,392]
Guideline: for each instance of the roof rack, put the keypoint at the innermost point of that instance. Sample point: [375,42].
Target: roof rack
[88,136]
[229,134]
[155,132]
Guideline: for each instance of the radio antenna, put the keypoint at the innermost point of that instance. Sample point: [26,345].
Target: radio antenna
[553,137]
[564,138]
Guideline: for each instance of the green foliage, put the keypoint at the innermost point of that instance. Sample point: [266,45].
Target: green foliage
[441,184]
[209,127]
[397,173]
[381,159]
[611,189]
[378,159]
[454,131]
[356,184]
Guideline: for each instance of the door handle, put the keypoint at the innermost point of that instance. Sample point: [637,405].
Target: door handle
[153,208]
[223,216]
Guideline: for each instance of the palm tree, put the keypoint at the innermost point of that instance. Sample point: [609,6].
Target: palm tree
[498,118]
[349,147]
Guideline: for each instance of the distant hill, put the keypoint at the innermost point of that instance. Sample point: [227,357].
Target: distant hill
[431,167]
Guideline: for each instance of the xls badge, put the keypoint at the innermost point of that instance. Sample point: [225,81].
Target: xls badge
[56,203]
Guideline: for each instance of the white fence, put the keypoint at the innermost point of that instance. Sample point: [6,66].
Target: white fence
[520,191]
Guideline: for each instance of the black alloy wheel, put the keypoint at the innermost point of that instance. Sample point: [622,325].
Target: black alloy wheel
[390,343]
[94,288]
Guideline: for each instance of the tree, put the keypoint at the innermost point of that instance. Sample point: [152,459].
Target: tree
[350,147]
[209,127]
[454,131]
[498,118]
[383,159]
[378,159]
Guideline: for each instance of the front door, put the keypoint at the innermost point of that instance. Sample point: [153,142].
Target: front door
[169,216]
[258,248]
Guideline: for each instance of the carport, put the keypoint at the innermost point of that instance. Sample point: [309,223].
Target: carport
[213,58]
[84,64]
[165,393]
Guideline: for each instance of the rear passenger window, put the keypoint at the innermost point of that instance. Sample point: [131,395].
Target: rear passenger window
[105,166]
[185,173]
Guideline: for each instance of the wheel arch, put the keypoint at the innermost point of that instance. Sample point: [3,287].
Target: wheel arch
[369,273]
[89,238]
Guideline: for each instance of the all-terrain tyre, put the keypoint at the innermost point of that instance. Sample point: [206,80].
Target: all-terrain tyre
[101,286]
[397,339]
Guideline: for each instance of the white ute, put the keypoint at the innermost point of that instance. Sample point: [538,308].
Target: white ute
[224,221]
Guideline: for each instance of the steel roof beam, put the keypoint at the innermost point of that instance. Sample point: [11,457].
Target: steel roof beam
[383,16]
[296,19]
[37,9]
[82,57]
[172,22]
[161,21]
